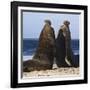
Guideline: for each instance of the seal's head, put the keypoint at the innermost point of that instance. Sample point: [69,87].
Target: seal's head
[67,23]
[48,22]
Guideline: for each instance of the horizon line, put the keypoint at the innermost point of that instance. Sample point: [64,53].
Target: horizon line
[38,38]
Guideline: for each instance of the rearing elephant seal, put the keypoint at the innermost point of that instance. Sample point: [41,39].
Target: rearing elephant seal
[45,50]
[64,55]
[44,55]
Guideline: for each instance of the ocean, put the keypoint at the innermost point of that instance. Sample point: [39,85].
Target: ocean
[30,45]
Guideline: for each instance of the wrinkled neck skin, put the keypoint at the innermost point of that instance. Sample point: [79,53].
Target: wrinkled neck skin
[66,31]
[67,26]
[47,25]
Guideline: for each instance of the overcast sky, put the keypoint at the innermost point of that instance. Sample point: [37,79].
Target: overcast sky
[33,23]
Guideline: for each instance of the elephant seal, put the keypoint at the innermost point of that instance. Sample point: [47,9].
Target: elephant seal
[64,54]
[60,50]
[44,55]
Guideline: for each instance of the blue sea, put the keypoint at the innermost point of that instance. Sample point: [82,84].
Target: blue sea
[30,45]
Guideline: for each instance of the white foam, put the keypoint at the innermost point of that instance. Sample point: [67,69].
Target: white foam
[25,58]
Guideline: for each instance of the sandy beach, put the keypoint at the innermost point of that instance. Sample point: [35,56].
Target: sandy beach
[55,72]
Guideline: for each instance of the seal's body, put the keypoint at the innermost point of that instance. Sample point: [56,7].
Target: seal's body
[44,55]
[45,50]
[63,46]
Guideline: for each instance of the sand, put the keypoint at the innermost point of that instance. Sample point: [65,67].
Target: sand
[56,72]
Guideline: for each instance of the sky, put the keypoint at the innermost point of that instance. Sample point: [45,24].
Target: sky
[33,23]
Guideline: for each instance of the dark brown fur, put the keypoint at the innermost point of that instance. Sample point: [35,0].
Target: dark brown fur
[44,55]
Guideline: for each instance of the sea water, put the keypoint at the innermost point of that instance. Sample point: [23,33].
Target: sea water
[30,45]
